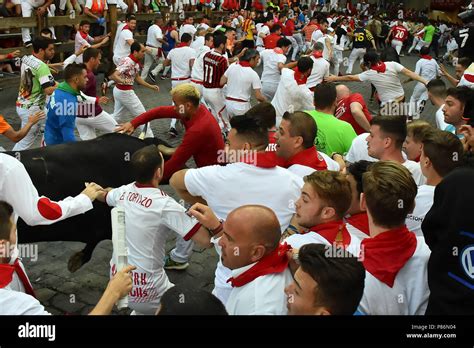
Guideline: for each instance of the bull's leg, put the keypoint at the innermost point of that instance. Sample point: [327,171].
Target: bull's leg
[80,258]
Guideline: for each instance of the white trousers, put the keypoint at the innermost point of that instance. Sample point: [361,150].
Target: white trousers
[337,61]
[87,126]
[215,100]
[150,59]
[397,44]
[235,108]
[34,132]
[127,103]
[356,54]
[183,250]
[27,11]
[418,100]
[269,89]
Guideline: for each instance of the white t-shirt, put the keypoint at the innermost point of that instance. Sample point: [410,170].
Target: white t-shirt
[410,292]
[122,48]
[316,35]
[319,72]
[198,43]
[19,303]
[80,41]
[388,84]
[261,30]
[427,68]
[264,295]
[440,119]
[342,40]
[154,33]
[226,188]
[271,73]
[241,81]
[203,26]
[451,45]
[149,216]
[415,171]
[180,58]
[358,150]
[326,49]
[187,28]
[291,95]
[423,203]
[197,72]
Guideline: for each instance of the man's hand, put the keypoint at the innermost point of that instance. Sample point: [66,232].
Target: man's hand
[102,194]
[15,53]
[41,10]
[92,190]
[121,284]
[36,117]
[81,50]
[103,100]
[105,40]
[165,150]
[330,78]
[126,128]
[155,87]
[468,132]
[204,215]
[443,69]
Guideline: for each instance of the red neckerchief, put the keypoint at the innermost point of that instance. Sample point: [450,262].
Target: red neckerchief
[426,56]
[359,221]
[379,67]
[309,158]
[386,254]
[244,63]
[262,160]
[418,159]
[278,50]
[317,54]
[126,27]
[83,35]
[275,262]
[181,44]
[6,276]
[332,231]
[132,57]
[299,77]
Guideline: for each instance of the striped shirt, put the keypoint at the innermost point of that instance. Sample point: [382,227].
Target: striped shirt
[215,65]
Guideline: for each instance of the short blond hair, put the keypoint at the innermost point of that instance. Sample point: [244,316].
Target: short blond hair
[418,130]
[188,92]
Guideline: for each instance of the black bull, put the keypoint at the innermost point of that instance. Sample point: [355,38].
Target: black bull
[61,170]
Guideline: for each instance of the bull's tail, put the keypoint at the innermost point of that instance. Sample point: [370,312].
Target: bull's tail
[143,133]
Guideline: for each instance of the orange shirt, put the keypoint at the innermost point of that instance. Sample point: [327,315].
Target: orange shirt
[4,126]
[308,31]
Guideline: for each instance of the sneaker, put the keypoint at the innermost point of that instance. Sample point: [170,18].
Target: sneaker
[152,77]
[173,132]
[178,266]
[104,86]
[28,44]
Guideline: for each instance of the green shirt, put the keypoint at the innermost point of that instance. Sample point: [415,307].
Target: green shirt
[333,135]
[429,32]
[35,76]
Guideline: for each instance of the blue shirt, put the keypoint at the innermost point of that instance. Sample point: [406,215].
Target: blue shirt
[61,118]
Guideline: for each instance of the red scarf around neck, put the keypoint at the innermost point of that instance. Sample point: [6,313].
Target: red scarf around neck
[426,56]
[359,221]
[386,254]
[132,57]
[126,27]
[333,231]
[262,160]
[318,54]
[299,77]
[6,276]
[309,158]
[83,35]
[278,50]
[245,64]
[379,67]
[181,44]
[275,262]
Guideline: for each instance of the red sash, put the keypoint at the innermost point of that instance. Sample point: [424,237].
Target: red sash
[379,67]
[244,64]
[335,232]
[360,221]
[426,56]
[309,158]
[386,254]
[6,276]
[275,262]
[299,77]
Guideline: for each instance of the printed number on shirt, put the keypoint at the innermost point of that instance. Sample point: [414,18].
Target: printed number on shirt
[400,34]
[359,37]
[208,72]
[464,34]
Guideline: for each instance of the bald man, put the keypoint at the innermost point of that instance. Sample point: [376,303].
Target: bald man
[351,108]
[250,247]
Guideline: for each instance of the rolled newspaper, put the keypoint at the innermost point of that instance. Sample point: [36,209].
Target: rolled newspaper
[119,243]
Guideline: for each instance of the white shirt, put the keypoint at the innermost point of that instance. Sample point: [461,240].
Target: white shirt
[227,188]
[451,45]
[291,95]
[423,203]
[154,33]
[128,70]
[197,72]
[264,295]
[358,150]
[388,84]
[122,48]
[316,35]
[197,43]
[319,72]
[440,119]
[342,40]
[415,171]
[19,303]
[442,28]
[271,60]
[180,58]
[79,41]
[262,30]
[410,291]
[326,49]
[203,26]
[149,216]
[17,189]
[241,81]
[427,68]
[187,28]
